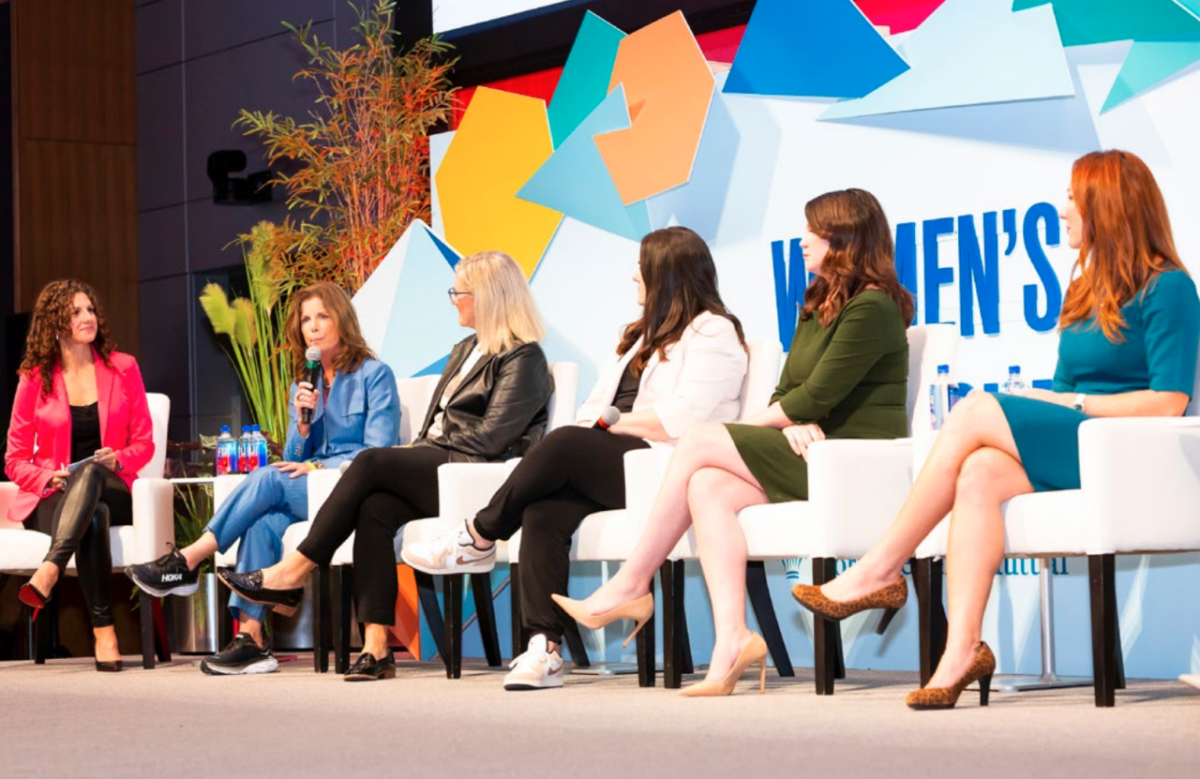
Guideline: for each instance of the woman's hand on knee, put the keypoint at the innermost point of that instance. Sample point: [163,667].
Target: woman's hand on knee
[800,437]
[295,470]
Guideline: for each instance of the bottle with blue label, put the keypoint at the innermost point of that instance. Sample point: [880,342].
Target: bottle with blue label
[1014,383]
[939,398]
[261,449]
[245,444]
[226,459]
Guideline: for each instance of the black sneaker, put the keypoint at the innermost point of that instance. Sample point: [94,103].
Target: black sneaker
[241,656]
[168,575]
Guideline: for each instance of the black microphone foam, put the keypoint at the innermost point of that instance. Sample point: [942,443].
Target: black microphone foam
[312,367]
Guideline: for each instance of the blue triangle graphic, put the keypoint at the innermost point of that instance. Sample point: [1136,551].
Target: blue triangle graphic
[816,48]
[435,368]
[450,255]
[576,181]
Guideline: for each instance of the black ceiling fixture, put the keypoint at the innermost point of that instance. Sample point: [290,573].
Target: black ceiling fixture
[255,188]
[541,39]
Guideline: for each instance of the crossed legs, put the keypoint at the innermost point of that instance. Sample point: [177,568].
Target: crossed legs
[973,468]
[706,484]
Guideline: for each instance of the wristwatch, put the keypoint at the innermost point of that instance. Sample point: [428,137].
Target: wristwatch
[1078,405]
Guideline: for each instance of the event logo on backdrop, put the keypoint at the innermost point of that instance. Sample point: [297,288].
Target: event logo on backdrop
[964,128]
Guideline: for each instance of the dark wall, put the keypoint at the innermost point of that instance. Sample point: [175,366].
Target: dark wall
[10,355]
[198,63]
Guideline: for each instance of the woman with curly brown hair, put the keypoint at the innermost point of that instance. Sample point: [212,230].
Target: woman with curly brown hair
[846,376]
[354,407]
[78,399]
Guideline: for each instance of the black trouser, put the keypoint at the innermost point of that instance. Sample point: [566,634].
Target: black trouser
[77,519]
[573,472]
[381,491]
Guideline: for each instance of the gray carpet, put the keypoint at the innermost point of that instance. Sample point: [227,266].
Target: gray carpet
[64,719]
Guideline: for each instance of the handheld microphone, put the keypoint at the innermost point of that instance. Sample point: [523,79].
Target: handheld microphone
[312,367]
[610,417]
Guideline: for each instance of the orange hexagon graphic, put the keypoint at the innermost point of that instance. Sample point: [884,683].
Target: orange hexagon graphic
[669,87]
[501,142]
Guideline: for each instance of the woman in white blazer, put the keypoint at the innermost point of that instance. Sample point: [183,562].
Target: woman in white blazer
[680,365]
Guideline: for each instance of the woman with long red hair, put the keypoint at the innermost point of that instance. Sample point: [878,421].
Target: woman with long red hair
[846,376]
[1129,334]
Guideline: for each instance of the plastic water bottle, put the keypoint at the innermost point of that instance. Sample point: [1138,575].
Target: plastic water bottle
[244,447]
[1014,383]
[262,452]
[225,463]
[939,401]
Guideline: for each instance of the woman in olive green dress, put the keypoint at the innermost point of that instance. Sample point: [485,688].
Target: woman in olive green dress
[846,376]
[1130,330]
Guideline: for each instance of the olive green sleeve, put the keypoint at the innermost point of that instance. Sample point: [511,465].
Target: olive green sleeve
[863,334]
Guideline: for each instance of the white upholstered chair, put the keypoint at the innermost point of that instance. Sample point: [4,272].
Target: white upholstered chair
[22,551]
[840,520]
[1139,494]
[610,536]
[415,396]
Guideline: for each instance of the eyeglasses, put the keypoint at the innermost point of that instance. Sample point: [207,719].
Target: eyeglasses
[455,294]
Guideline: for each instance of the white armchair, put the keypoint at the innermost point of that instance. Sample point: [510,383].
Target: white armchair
[612,535]
[1140,488]
[22,551]
[840,519]
[463,490]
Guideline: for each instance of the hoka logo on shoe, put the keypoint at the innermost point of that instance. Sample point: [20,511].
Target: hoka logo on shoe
[172,577]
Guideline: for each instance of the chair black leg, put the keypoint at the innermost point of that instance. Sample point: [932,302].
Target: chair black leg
[519,639]
[687,667]
[764,612]
[646,661]
[825,643]
[485,615]
[1120,655]
[322,618]
[432,611]
[146,615]
[162,642]
[1102,583]
[674,623]
[839,656]
[574,639]
[931,613]
[224,618]
[452,600]
[343,599]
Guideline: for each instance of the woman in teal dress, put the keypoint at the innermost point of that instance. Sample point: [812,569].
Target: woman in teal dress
[846,377]
[1130,330]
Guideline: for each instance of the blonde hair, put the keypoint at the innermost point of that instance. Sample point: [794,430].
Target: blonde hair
[505,315]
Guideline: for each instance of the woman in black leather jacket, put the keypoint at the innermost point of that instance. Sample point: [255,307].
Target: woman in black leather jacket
[489,405]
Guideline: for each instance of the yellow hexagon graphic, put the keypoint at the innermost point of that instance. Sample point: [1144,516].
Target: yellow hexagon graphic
[501,142]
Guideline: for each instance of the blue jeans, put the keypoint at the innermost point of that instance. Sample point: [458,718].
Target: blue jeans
[258,513]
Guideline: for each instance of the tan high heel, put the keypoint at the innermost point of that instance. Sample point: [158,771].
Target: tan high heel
[640,610]
[755,651]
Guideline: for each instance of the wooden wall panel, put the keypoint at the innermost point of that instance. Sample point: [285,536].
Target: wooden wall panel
[75,153]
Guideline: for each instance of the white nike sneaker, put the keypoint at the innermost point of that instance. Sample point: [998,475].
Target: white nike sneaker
[451,553]
[537,669]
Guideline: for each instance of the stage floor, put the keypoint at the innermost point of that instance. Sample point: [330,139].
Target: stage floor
[64,719]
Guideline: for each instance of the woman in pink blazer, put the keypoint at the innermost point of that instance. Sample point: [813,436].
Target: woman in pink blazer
[78,399]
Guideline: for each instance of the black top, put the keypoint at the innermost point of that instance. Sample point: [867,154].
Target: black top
[627,390]
[85,431]
[498,410]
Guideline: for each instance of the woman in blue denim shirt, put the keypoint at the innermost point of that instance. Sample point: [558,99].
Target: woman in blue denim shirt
[354,407]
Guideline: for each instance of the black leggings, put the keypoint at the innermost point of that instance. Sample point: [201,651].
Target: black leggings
[77,519]
[381,491]
[573,472]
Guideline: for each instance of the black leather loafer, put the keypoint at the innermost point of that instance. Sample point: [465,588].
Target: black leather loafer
[367,669]
[109,666]
[249,586]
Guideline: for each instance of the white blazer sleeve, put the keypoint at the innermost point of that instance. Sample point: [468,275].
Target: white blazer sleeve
[714,367]
[602,392]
